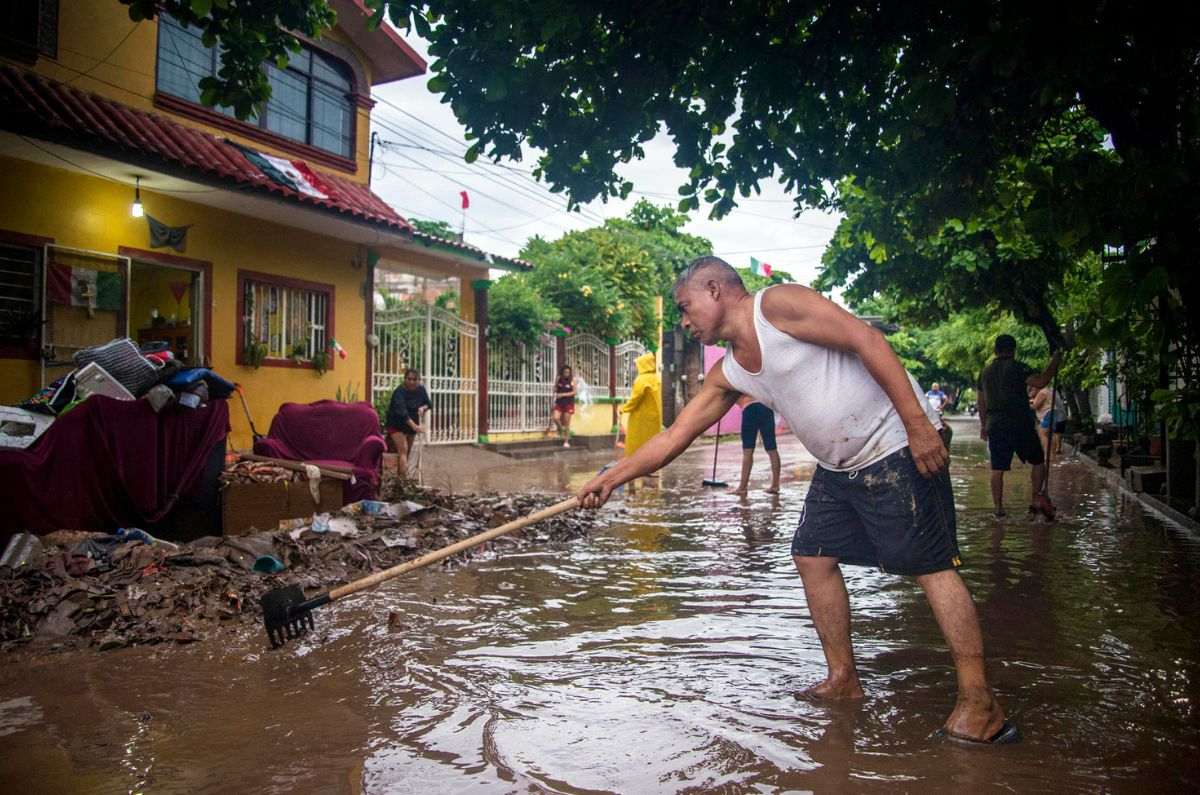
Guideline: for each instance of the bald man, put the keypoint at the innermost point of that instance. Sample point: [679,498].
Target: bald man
[880,496]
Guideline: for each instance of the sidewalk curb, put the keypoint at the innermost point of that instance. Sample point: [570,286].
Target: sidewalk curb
[1149,502]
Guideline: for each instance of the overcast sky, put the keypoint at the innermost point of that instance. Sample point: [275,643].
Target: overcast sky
[508,207]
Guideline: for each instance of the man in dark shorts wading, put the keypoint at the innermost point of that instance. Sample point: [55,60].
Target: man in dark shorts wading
[881,496]
[1008,424]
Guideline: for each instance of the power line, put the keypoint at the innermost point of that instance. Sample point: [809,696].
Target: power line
[110,54]
[451,207]
[522,173]
[538,193]
[757,250]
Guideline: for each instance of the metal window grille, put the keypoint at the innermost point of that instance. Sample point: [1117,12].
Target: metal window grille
[290,321]
[19,295]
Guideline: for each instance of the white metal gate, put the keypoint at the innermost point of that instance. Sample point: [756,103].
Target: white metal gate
[627,353]
[520,384]
[442,348]
[588,356]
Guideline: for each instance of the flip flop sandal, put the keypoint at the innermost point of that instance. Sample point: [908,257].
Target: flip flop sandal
[1006,735]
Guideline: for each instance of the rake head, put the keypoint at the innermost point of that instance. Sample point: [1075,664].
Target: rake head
[287,614]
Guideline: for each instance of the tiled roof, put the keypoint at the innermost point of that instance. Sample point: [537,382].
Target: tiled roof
[42,108]
[499,261]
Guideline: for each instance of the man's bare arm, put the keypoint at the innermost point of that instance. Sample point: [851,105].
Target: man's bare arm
[715,398]
[1040,380]
[809,316]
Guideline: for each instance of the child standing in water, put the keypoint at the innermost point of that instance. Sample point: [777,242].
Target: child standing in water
[565,389]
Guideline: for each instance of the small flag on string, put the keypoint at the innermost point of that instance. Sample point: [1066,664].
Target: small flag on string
[466,200]
[759,268]
[338,349]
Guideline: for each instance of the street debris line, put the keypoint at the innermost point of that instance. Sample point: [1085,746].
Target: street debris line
[287,614]
[75,589]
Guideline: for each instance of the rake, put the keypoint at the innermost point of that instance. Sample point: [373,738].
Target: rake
[287,613]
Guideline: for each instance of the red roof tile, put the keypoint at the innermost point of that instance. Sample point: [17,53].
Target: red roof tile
[43,108]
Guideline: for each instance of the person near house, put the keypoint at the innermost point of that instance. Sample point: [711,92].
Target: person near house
[881,495]
[406,410]
[938,401]
[1043,401]
[937,398]
[565,390]
[1007,422]
[757,420]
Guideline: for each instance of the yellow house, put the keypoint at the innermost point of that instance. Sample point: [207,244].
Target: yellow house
[127,208]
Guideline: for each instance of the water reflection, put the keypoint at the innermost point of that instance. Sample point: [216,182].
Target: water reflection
[662,655]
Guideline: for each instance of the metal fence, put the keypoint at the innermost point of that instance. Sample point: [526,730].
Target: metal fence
[440,346]
[627,353]
[520,384]
[588,357]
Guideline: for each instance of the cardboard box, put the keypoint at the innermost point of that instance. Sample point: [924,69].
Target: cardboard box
[253,507]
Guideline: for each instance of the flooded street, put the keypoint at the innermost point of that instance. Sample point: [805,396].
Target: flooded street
[662,655]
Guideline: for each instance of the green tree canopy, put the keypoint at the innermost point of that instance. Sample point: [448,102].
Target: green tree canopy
[517,310]
[1008,245]
[605,280]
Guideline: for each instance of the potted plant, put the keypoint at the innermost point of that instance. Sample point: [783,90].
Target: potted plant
[254,353]
[320,361]
[299,353]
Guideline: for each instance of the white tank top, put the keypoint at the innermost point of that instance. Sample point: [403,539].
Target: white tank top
[830,401]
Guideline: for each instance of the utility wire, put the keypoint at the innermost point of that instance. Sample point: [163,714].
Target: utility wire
[537,193]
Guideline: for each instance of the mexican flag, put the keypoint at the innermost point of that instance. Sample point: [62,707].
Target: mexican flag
[759,268]
[84,287]
[294,174]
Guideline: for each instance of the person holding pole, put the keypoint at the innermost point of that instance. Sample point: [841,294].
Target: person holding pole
[881,495]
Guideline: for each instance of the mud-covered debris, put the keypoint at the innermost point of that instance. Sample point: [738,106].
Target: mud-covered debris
[107,592]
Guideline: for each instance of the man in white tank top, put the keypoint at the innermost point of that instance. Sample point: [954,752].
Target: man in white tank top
[881,495]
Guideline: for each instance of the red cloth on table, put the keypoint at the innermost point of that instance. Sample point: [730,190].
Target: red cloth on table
[106,464]
[330,433]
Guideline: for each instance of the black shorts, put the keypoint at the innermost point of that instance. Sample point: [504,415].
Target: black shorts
[758,419]
[886,515]
[1020,437]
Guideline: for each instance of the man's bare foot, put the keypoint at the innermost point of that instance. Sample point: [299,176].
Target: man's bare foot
[976,716]
[832,690]
[773,490]
[740,490]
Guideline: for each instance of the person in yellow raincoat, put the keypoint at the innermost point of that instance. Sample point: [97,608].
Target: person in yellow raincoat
[644,406]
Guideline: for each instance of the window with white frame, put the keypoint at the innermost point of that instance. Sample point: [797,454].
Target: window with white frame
[281,320]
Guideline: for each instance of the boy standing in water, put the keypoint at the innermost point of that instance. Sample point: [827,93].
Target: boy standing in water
[881,495]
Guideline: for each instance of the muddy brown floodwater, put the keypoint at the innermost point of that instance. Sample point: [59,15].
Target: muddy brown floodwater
[662,655]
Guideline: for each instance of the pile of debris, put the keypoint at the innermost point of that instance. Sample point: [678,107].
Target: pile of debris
[74,589]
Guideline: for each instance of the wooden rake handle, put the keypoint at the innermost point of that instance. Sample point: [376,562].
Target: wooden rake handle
[440,554]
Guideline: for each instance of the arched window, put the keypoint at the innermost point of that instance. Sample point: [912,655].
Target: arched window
[311,100]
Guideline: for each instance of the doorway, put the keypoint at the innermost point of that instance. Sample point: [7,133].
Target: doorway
[166,309]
